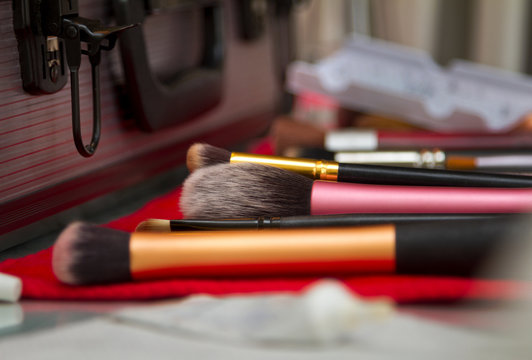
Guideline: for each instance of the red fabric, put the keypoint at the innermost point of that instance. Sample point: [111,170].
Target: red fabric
[40,283]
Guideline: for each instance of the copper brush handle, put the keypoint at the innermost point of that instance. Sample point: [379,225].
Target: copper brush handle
[271,252]
[446,248]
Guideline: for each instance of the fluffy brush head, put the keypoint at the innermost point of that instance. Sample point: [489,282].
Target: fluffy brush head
[89,254]
[202,155]
[244,190]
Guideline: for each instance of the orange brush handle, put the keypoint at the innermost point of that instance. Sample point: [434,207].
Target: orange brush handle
[251,252]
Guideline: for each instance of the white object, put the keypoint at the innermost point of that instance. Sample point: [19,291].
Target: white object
[324,314]
[10,288]
[10,315]
[377,76]
[333,311]
[344,140]
[516,161]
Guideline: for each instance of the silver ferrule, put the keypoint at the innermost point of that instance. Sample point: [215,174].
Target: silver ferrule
[431,159]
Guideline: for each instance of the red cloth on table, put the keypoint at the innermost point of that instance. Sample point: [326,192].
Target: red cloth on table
[40,283]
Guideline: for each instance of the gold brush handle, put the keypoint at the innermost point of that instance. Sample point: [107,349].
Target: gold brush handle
[314,169]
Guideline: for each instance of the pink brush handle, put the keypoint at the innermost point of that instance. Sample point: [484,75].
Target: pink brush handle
[344,198]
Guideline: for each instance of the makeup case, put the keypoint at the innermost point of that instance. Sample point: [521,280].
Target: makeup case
[181,72]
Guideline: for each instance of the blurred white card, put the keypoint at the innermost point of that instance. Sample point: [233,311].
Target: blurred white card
[377,76]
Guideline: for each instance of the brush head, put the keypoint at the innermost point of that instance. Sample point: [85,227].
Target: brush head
[244,190]
[201,155]
[89,254]
[155,225]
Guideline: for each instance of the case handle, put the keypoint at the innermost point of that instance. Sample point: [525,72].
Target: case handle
[75,31]
[157,104]
[50,34]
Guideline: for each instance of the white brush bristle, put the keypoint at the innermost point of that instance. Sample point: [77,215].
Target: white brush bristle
[244,190]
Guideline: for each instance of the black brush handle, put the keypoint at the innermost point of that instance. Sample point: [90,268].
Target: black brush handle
[225,224]
[392,175]
[309,221]
[458,248]
[374,219]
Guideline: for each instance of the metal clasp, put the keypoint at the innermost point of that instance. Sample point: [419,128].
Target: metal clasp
[76,30]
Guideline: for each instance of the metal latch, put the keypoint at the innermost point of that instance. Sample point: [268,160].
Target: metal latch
[50,34]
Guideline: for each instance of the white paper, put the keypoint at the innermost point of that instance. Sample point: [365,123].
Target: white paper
[374,75]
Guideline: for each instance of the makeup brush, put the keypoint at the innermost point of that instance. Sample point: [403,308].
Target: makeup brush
[252,190]
[305,221]
[426,158]
[88,254]
[201,155]
[288,133]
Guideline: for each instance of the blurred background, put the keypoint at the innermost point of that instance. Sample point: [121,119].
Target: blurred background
[491,32]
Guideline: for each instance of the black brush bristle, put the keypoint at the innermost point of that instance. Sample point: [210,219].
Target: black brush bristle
[90,254]
[245,190]
[202,155]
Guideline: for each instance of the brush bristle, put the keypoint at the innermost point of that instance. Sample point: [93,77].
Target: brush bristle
[202,155]
[244,190]
[89,254]
[154,225]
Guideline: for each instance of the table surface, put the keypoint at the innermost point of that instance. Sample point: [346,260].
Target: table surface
[88,330]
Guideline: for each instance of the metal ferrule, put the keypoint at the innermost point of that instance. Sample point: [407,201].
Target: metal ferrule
[432,159]
[314,169]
